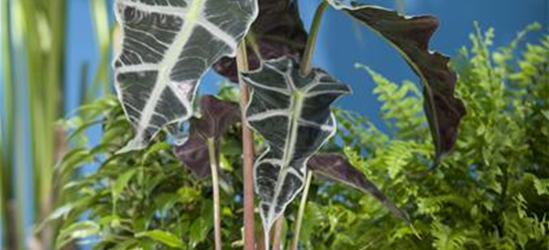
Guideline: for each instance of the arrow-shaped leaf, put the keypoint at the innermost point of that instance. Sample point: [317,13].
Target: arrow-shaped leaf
[336,167]
[278,31]
[292,113]
[217,117]
[167,46]
[411,36]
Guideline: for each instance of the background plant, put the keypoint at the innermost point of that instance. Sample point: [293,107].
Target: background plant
[33,100]
[491,192]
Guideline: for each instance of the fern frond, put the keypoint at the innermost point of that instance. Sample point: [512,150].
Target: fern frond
[447,238]
[402,106]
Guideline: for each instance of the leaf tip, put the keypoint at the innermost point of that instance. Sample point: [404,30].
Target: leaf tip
[414,230]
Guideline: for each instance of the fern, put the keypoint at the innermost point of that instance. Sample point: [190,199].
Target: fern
[433,205]
[448,238]
[491,192]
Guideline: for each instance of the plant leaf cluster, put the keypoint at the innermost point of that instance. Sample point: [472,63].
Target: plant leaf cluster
[490,193]
[168,45]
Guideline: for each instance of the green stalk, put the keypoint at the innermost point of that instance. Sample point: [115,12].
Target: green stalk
[37,111]
[305,67]
[6,128]
[2,196]
[248,155]
[16,210]
[16,237]
[44,41]
[32,49]
[103,36]
[212,152]
[54,90]
[313,36]
[301,213]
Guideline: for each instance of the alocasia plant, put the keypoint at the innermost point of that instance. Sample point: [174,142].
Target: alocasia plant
[167,46]
[292,113]
[410,36]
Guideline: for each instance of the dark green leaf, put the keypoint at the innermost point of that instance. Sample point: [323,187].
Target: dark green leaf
[121,183]
[411,36]
[217,117]
[202,225]
[336,167]
[292,113]
[125,245]
[278,31]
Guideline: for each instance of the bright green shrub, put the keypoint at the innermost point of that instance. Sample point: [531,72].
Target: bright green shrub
[491,192]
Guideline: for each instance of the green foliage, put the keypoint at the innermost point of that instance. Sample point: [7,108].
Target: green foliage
[140,198]
[411,36]
[33,85]
[490,192]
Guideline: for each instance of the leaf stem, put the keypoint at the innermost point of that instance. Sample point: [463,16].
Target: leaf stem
[215,183]
[301,213]
[277,233]
[248,154]
[313,37]
[262,241]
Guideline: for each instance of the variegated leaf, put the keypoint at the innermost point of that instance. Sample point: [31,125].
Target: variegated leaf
[411,36]
[292,113]
[167,46]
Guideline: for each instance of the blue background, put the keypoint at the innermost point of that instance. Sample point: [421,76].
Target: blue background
[342,43]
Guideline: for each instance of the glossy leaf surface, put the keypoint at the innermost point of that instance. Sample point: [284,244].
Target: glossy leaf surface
[293,115]
[411,35]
